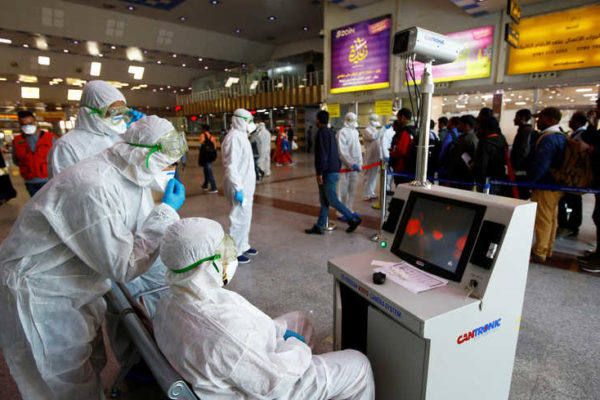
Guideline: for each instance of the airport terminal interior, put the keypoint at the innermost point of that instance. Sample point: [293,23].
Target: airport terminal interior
[416,178]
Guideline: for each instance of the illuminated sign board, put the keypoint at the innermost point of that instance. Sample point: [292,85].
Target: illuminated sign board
[513,9]
[558,41]
[360,56]
[474,61]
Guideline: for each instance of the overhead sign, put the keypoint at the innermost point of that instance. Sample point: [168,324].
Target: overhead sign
[513,9]
[384,107]
[360,56]
[473,62]
[333,110]
[511,34]
[558,41]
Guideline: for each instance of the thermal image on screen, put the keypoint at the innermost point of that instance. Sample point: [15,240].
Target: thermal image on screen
[437,232]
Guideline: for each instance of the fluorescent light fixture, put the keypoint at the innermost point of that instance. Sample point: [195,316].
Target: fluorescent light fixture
[590,95]
[134,54]
[117,84]
[138,72]
[30,92]
[3,79]
[520,103]
[74,94]
[75,82]
[231,80]
[28,78]
[61,123]
[6,41]
[253,85]
[95,68]
[584,90]
[460,106]
[41,43]
[92,48]
[43,60]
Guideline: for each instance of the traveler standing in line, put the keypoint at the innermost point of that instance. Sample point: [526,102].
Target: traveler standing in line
[402,154]
[327,166]
[208,154]
[523,148]
[263,137]
[30,152]
[373,154]
[459,166]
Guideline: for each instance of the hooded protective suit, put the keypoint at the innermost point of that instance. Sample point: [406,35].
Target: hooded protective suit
[385,139]
[350,155]
[264,148]
[239,176]
[228,349]
[82,230]
[91,134]
[372,155]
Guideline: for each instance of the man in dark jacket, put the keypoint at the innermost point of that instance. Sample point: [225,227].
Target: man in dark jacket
[459,164]
[402,154]
[549,153]
[490,157]
[521,153]
[327,166]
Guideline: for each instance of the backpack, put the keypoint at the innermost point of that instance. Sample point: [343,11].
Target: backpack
[208,153]
[576,169]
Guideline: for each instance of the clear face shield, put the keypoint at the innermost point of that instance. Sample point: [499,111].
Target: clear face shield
[225,257]
[173,144]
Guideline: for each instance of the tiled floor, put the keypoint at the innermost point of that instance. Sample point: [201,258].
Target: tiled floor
[558,356]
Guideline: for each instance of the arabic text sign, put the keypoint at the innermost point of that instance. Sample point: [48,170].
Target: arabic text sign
[473,62]
[384,107]
[553,42]
[333,110]
[360,56]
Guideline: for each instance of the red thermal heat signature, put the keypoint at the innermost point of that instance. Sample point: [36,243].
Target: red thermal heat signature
[413,227]
[460,245]
[437,235]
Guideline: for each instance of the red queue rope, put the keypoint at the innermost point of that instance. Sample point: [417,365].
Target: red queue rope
[377,164]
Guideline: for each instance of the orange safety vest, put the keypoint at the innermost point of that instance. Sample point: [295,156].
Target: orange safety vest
[33,164]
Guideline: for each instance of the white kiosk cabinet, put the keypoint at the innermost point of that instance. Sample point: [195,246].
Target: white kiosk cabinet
[452,342]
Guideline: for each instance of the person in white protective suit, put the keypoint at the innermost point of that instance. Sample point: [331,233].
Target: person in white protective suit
[351,158]
[93,131]
[82,230]
[264,148]
[240,180]
[385,140]
[228,349]
[372,155]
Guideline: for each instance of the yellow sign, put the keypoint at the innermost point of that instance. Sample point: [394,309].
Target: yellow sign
[384,107]
[333,110]
[358,51]
[553,42]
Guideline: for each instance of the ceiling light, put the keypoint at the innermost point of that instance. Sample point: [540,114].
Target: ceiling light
[174,91]
[117,84]
[520,103]
[74,94]
[460,106]
[154,90]
[305,28]
[43,60]
[182,90]
[3,79]
[130,8]
[231,80]
[200,59]
[183,19]
[253,85]
[30,92]
[174,56]
[590,95]
[584,90]
[214,2]
[183,65]
[162,88]
[134,54]
[205,67]
[226,70]
[169,87]
[25,45]
[113,47]
[271,18]
[190,88]
[100,55]
[95,68]
[28,78]
[159,62]
[138,72]
[41,43]
[145,51]
[92,48]
[65,50]
[238,30]
[6,41]
[76,82]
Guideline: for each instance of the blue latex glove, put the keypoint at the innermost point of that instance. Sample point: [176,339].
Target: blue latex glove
[135,116]
[174,194]
[288,334]
[388,126]
[356,168]
[239,196]
[387,160]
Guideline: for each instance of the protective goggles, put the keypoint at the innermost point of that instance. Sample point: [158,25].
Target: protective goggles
[113,115]
[226,252]
[172,144]
[247,119]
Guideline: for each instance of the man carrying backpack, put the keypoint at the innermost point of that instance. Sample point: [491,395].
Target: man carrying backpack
[208,154]
[549,154]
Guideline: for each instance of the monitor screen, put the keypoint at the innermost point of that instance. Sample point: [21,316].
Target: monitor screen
[437,234]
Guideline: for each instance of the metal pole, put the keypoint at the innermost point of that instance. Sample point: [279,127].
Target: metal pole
[486,186]
[382,199]
[423,147]
[329,227]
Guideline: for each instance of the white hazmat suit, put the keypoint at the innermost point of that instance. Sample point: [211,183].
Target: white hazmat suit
[91,134]
[239,176]
[350,155]
[372,155]
[263,137]
[385,140]
[228,349]
[82,230]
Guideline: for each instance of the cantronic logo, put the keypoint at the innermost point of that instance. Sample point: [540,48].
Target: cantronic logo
[476,333]
[435,39]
